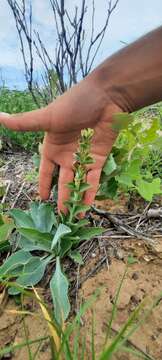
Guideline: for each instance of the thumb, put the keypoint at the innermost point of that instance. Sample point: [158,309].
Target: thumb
[29,121]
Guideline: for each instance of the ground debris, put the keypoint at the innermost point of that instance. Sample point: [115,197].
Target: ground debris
[19,192]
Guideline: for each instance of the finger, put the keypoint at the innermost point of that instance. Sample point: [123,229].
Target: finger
[46,171]
[66,175]
[29,121]
[93,178]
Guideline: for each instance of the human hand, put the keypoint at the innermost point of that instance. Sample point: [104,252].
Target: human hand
[85,105]
[92,103]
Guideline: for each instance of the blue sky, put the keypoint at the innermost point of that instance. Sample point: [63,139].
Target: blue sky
[131,19]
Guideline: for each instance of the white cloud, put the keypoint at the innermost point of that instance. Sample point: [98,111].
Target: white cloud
[10,54]
[6,21]
[9,46]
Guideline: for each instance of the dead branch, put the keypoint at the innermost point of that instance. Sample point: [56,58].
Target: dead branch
[75,50]
[126,228]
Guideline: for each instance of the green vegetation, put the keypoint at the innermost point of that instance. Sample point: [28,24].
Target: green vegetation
[53,236]
[135,163]
[12,102]
[6,228]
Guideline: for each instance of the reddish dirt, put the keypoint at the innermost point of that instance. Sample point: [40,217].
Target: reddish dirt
[144,280]
[12,331]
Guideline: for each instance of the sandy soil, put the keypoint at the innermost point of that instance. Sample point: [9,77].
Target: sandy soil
[143,280]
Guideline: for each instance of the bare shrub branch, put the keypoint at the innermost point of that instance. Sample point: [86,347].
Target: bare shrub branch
[75,51]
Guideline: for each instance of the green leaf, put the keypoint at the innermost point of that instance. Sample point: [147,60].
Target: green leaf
[59,290]
[133,169]
[88,160]
[124,179]
[37,237]
[43,217]
[80,208]
[108,189]
[36,160]
[110,165]
[1,220]
[61,231]
[121,121]
[88,233]
[5,231]
[65,245]
[78,225]
[71,186]
[62,218]
[5,246]
[19,258]
[28,245]
[22,218]
[76,256]
[84,187]
[148,189]
[2,189]
[33,271]
[13,291]
[149,135]
[17,271]
[131,260]
[81,223]
[136,354]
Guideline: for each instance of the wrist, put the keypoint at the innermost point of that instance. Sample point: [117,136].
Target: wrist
[132,78]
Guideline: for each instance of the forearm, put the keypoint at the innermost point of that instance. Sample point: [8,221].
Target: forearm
[133,76]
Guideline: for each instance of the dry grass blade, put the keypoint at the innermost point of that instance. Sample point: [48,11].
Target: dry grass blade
[53,331]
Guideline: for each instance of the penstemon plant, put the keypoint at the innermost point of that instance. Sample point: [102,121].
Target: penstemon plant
[78,186]
[53,237]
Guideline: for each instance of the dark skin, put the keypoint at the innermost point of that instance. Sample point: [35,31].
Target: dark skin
[113,87]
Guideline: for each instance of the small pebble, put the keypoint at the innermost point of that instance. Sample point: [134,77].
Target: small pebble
[153,337]
[119,254]
[93,255]
[135,300]
[135,276]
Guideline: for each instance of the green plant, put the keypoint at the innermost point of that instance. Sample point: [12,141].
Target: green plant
[15,101]
[6,227]
[32,176]
[55,237]
[135,161]
[68,341]
[2,188]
